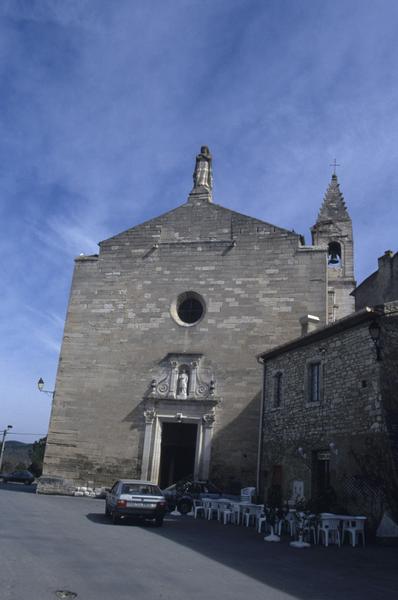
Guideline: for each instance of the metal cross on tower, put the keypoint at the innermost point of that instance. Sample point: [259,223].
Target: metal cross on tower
[334,164]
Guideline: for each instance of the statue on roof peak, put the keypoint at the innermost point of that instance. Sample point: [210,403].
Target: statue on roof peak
[203,175]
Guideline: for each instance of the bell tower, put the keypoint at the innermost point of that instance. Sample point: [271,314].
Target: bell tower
[333,231]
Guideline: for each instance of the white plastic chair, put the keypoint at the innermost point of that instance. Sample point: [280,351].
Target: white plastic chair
[322,516]
[212,510]
[329,531]
[224,512]
[259,514]
[355,528]
[288,523]
[261,519]
[310,530]
[235,510]
[227,515]
[249,515]
[198,509]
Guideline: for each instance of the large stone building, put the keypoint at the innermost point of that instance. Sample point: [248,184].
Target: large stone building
[157,375]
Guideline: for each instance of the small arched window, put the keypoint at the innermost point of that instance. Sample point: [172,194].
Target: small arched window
[334,254]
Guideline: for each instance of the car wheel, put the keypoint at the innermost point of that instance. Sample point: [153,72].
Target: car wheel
[184,506]
[115,518]
[158,521]
[107,512]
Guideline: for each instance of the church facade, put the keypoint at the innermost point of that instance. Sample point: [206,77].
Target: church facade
[157,375]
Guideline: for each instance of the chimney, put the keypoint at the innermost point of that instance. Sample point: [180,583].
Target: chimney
[387,256]
[309,323]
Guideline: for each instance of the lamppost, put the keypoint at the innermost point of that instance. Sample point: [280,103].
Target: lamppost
[40,385]
[5,431]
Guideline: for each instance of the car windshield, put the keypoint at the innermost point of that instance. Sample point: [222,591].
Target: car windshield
[140,488]
[171,488]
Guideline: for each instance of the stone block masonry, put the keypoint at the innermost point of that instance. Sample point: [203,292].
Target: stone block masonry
[339,429]
[131,336]
[256,283]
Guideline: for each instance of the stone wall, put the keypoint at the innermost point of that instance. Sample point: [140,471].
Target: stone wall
[354,422]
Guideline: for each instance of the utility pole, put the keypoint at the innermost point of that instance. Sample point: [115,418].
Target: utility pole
[5,431]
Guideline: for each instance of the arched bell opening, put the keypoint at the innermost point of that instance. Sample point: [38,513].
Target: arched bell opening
[334,255]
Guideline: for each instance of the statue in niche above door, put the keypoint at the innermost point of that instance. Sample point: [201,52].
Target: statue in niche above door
[183,377]
[182,389]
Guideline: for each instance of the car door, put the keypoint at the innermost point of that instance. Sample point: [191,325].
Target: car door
[112,497]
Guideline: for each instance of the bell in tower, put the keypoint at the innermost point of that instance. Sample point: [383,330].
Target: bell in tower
[334,254]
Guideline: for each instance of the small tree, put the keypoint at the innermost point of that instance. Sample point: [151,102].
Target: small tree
[20,466]
[38,449]
[7,466]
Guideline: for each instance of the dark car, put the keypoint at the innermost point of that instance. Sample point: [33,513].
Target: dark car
[183,493]
[135,498]
[25,477]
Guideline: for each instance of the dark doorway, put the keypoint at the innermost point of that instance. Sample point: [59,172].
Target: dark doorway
[177,454]
[321,473]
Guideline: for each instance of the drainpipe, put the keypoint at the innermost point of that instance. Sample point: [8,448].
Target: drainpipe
[260,432]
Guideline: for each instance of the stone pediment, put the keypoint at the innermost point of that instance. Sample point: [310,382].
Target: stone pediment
[183,377]
[189,223]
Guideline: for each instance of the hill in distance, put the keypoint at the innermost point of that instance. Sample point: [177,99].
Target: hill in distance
[17,455]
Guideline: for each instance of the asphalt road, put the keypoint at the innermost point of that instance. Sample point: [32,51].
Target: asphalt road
[53,543]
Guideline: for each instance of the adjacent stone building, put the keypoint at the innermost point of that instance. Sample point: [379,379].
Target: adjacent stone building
[330,415]
[157,374]
[381,286]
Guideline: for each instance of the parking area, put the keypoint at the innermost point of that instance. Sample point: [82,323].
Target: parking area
[53,543]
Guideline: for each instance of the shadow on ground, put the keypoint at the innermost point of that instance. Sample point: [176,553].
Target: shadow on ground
[316,573]
[125,522]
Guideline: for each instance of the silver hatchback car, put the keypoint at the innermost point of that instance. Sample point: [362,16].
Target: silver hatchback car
[135,498]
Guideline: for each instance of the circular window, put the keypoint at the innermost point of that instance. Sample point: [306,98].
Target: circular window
[188,309]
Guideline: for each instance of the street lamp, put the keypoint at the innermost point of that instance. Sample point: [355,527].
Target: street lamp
[333,448]
[301,452]
[374,332]
[40,385]
[5,431]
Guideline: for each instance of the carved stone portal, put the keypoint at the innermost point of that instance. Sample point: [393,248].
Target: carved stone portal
[183,377]
[182,391]
[149,415]
[208,419]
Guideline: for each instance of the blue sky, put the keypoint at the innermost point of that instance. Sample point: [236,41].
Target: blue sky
[104,104]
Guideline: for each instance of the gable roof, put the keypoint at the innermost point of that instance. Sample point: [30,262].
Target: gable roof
[201,220]
[365,314]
